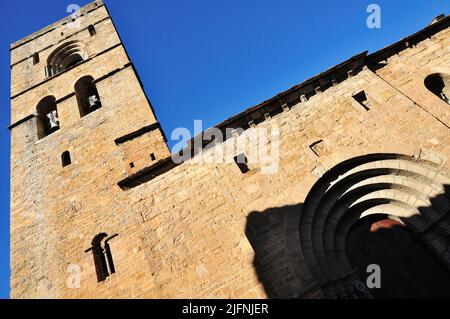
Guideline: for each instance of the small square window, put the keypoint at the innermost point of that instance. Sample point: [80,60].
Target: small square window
[317,147]
[242,163]
[361,98]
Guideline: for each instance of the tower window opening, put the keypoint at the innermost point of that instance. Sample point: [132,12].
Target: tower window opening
[66,56]
[47,117]
[152,157]
[361,98]
[103,260]
[35,58]
[87,95]
[65,159]
[439,85]
[242,163]
[92,30]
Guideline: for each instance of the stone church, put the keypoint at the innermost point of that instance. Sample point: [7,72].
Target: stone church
[100,208]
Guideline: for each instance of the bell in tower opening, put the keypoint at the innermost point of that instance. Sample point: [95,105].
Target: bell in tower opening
[94,102]
[53,121]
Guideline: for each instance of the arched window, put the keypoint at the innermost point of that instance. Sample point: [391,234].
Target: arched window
[65,159]
[87,95]
[65,56]
[103,261]
[439,84]
[47,117]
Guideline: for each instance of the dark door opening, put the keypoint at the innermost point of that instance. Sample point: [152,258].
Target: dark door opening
[409,269]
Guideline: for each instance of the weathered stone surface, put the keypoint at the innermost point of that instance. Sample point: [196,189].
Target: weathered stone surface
[197,230]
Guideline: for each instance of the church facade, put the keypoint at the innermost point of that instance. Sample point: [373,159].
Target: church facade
[100,208]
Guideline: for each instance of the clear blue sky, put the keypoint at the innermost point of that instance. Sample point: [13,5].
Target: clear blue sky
[210,59]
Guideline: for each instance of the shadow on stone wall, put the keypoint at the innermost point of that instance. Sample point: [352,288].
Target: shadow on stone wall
[278,261]
[281,268]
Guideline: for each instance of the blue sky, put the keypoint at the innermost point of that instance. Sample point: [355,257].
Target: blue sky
[210,59]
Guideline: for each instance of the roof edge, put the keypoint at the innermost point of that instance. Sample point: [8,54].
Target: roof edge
[83,10]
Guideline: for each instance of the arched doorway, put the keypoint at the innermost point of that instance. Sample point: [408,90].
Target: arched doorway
[344,203]
[408,269]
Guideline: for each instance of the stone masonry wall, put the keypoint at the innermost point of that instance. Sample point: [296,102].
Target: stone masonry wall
[54,209]
[198,230]
[231,235]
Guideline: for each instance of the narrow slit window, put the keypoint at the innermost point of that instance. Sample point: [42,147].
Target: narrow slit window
[242,163]
[361,98]
[152,157]
[132,165]
[92,30]
[65,159]
[35,58]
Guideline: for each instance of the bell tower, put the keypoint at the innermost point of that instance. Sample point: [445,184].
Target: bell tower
[80,122]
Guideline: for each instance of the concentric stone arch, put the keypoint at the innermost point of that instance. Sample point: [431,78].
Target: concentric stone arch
[66,55]
[414,191]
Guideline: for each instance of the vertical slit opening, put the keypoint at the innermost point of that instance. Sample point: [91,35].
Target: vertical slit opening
[35,58]
[65,159]
[92,30]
